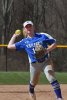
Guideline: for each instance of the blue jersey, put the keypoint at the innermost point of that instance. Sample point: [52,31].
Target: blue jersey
[29,44]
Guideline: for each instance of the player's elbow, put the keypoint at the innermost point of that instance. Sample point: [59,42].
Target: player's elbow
[54,45]
[11,46]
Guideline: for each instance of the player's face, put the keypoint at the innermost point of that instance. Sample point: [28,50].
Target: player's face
[30,29]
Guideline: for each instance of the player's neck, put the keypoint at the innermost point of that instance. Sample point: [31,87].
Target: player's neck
[30,35]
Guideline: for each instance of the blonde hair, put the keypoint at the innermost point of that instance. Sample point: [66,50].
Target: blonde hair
[24,32]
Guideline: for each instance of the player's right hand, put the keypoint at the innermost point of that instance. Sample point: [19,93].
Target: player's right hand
[18,31]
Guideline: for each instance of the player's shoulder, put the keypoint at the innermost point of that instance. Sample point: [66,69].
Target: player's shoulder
[43,34]
[23,40]
[46,35]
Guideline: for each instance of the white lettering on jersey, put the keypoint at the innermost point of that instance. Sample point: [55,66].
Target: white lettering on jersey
[33,44]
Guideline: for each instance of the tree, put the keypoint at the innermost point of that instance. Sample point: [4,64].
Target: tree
[7,8]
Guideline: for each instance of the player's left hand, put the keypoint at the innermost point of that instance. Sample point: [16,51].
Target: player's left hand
[40,51]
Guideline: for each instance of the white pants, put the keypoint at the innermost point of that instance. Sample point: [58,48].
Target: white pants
[36,68]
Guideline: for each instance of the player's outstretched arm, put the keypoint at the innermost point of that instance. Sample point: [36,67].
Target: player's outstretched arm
[51,47]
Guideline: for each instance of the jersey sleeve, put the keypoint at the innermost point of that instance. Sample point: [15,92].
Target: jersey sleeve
[19,45]
[49,39]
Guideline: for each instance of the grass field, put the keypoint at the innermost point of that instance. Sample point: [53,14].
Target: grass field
[18,78]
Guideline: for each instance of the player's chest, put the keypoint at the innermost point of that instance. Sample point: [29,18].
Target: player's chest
[30,43]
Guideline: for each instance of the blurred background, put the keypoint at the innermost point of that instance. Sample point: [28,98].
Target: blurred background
[48,16]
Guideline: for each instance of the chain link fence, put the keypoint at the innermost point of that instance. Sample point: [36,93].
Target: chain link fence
[14,61]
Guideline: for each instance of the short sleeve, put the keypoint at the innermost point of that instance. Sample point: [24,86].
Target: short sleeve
[49,39]
[19,45]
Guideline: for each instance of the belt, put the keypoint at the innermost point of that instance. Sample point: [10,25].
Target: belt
[39,61]
[34,62]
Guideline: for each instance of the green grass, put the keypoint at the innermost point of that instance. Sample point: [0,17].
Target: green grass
[14,77]
[23,78]
[60,76]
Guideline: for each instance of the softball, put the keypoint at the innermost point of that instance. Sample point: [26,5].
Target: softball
[18,31]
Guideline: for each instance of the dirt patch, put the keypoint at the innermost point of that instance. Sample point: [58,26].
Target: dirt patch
[20,92]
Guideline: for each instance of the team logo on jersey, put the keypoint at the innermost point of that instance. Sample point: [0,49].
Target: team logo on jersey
[30,45]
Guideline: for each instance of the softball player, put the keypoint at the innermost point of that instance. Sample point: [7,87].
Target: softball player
[44,62]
